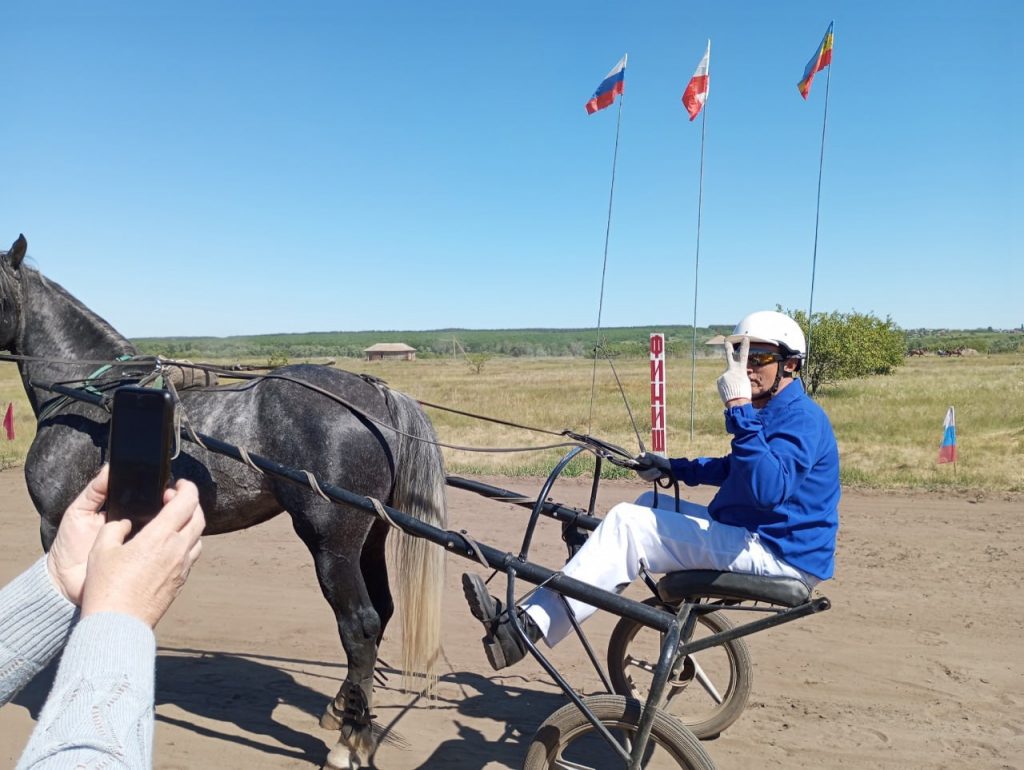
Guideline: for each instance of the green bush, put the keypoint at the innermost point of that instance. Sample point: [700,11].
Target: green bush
[844,346]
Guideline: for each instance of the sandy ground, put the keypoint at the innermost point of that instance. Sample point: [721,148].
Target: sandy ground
[920,663]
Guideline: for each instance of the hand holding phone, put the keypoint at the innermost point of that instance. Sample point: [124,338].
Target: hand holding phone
[141,437]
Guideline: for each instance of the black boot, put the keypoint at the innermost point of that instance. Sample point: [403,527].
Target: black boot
[501,643]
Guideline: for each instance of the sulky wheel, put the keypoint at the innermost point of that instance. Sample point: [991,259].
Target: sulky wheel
[567,740]
[713,685]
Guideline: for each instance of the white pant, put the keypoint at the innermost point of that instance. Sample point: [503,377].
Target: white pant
[666,541]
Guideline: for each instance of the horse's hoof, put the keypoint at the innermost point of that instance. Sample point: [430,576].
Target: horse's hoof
[341,758]
[331,719]
[350,765]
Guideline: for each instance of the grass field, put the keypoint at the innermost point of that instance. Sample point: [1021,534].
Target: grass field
[888,427]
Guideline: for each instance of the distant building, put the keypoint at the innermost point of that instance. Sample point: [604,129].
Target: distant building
[384,351]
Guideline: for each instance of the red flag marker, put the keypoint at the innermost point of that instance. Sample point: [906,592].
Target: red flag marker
[697,89]
[9,421]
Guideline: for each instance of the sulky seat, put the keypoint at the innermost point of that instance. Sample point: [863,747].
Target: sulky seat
[675,587]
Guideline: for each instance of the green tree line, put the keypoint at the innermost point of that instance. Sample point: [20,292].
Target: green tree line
[625,341]
[538,343]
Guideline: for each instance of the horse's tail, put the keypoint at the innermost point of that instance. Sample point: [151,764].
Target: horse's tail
[419,491]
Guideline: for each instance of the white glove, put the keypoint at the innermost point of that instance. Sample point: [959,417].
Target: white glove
[734,382]
[651,467]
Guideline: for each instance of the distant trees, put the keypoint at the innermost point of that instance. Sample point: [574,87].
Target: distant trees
[844,346]
[617,342]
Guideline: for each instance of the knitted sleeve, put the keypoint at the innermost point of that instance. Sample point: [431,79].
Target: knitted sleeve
[35,620]
[99,713]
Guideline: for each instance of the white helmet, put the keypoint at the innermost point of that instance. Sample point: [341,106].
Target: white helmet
[775,329]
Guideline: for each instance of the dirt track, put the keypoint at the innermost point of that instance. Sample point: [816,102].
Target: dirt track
[918,664]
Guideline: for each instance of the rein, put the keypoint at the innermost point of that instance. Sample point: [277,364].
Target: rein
[96,395]
[134,361]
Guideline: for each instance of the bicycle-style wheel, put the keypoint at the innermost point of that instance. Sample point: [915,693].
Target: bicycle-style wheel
[713,685]
[568,741]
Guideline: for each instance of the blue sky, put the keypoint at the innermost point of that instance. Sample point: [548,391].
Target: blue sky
[247,167]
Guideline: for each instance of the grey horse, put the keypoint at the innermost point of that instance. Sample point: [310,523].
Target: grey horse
[61,341]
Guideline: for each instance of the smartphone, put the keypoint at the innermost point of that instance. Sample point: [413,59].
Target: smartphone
[141,438]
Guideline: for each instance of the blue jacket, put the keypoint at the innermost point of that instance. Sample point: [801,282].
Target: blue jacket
[781,480]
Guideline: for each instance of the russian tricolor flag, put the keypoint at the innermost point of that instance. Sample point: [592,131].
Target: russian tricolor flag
[614,83]
[947,450]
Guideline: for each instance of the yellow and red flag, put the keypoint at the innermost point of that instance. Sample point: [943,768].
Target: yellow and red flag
[821,59]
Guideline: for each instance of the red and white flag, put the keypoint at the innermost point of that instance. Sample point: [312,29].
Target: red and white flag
[697,89]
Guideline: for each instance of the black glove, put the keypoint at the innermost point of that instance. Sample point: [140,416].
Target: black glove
[651,467]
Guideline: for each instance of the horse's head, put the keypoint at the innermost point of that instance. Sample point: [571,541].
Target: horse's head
[10,292]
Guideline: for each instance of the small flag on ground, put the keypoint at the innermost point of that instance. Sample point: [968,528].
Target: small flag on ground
[614,83]
[821,59]
[696,92]
[947,450]
[9,421]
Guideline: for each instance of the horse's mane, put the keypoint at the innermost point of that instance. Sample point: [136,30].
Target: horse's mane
[96,322]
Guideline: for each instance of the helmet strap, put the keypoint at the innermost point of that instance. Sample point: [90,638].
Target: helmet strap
[779,374]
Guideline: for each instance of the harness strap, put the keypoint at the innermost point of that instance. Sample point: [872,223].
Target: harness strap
[383,515]
[160,363]
[249,461]
[474,548]
[58,403]
[311,480]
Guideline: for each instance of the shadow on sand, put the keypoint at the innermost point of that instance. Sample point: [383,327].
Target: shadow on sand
[244,691]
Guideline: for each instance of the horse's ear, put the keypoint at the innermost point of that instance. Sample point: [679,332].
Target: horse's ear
[17,253]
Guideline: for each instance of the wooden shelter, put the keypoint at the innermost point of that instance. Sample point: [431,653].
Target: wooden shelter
[385,351]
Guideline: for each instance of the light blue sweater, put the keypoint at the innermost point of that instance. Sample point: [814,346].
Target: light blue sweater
[100,710]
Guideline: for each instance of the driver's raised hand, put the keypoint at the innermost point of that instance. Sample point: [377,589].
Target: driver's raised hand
[734,384]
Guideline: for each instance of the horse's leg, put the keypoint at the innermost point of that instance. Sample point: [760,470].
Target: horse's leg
[335,536]
[47,533]
[353,702]
[373,564]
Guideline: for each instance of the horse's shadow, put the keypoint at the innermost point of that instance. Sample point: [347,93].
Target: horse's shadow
[245,690]
[239,690]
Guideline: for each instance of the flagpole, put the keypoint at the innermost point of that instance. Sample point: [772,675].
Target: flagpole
[696,270]
[817,212]
[604,264]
